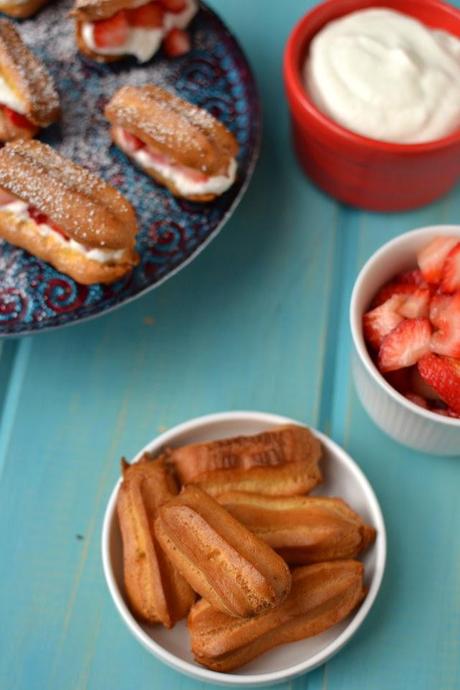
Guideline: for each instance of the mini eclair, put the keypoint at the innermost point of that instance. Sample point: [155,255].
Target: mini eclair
[181,146]
[281,462]
[219,557]
[155,590]
[108,30]
[28,98]
[302,529]
[21,9]
[321,596]
[65,215]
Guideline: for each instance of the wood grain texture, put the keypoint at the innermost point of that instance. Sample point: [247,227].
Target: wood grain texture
[258,321]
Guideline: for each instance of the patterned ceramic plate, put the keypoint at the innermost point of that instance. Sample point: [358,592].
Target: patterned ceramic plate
[215,75]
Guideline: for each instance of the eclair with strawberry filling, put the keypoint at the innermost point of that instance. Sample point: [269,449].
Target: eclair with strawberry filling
[109,30]
[181,146]
[28,98]
[65,215]
[20,9]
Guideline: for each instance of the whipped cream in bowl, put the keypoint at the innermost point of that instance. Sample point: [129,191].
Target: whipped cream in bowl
[386,76]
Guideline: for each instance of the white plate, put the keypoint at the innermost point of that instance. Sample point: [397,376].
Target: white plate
[342,478]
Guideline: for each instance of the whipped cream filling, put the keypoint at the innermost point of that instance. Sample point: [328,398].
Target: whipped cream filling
[184,183]
[104,256]
[9,98]
[142,43]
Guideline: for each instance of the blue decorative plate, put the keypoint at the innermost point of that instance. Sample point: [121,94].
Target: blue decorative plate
[214,75]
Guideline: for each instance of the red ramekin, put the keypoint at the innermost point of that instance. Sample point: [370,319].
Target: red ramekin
[364,172]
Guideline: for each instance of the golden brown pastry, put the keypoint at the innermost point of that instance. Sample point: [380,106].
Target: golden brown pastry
[281,462]
[108,30]
[322,595]
[155,590]
[302,529]
[64,214]
[181,146]
[28,98]
[219,557]
[20,9]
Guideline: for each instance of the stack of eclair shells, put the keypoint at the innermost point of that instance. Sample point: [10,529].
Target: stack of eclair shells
[233,548]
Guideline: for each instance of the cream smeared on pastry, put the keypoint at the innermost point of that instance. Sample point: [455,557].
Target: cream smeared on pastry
[21,212]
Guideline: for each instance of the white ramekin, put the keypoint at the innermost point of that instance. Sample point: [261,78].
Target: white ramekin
[343,478]
[401,419]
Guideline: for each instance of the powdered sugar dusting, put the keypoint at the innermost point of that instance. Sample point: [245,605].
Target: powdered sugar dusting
[215,76]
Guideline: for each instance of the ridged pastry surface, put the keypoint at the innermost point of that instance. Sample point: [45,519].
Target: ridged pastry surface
[219,557]
[281,461]
[302,529]
[86,208]
[157,593]
[322,595]
[27,76]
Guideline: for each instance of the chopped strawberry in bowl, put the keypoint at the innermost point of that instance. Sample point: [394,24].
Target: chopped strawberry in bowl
[405,322]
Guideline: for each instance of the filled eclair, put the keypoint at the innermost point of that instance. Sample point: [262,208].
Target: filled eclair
[65,215]
[28,98]
[21,9]
[109,30]
[180,145]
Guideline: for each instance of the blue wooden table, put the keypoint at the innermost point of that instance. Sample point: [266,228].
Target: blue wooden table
[258,321]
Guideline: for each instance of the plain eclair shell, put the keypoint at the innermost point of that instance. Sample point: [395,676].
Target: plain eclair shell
[219,557]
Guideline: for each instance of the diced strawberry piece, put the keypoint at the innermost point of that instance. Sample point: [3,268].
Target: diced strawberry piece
[438,305]
[380,321]
[176,43]
[446,340]
[149,16]
[448,412]
[399,379]
[414,277]
[393,288]
[443,373]
[450,281]
[416,304]
[175,6]
[17,119]
[419,386]
[431,258]
[6,197]
[417,400]
[37,216]
[132,142]
[405,345]
[111,32]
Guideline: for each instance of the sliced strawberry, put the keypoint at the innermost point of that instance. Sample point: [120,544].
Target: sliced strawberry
[37,216]
[419,386]
[194,175]
[405,345]
[448,412]
[438,305]
[17,119]
[174,6]
[417,400]
[380,321]
[431,258]
[159,158]
[450,281]
[111,32]
[132,142]
[6,197]
[394,287]
[443,374]
[446,340]
[177,43]
[149,16]
[57,229]
[414,277]
[416,305]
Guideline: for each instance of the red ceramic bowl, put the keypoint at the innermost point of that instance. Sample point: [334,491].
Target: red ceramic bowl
[364,172]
